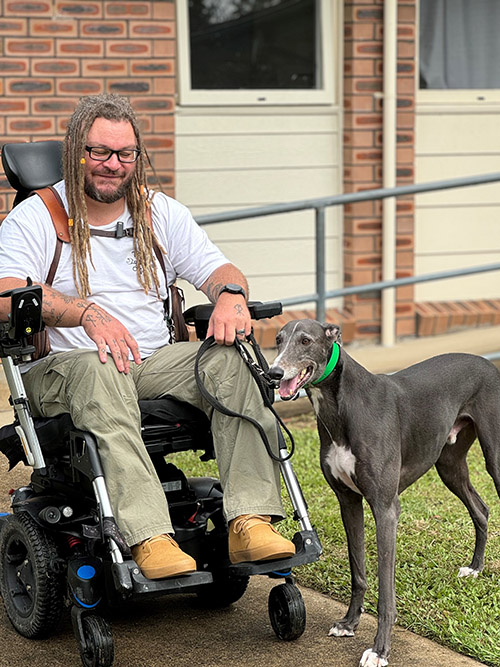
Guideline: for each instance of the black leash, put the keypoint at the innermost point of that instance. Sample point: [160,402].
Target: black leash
[264,382]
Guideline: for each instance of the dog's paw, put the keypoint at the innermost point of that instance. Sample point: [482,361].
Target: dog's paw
[468,572]
[339,630]
[372,659]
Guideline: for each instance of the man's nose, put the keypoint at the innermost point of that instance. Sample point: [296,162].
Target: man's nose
[112,162]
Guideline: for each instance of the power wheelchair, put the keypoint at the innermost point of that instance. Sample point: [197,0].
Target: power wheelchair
[60,546]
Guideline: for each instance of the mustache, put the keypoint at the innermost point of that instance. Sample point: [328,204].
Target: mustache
[107,170]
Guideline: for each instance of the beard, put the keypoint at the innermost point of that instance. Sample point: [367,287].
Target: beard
[109,196]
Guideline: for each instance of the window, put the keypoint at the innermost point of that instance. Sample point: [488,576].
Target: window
[255,51]
[459,45]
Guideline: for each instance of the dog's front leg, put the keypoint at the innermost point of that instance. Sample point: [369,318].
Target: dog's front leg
[386,520]
[351,508]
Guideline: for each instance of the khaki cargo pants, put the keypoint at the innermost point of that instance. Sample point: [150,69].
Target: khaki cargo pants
[103,401]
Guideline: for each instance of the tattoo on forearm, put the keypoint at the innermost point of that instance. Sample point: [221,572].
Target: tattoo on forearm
[213,290]
[58,318]
[56,307]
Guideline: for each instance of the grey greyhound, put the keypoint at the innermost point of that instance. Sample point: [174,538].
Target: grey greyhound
[379,434]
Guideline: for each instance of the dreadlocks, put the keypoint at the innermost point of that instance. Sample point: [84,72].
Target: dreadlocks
[115,108]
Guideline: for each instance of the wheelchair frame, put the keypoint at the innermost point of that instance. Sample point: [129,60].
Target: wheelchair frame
[61,540]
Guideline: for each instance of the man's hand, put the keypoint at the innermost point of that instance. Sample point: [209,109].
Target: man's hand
[230,318]
[108,332]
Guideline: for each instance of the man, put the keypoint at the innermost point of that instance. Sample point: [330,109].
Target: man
[107,293]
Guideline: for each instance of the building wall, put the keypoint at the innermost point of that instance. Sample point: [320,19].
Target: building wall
[237,156]
[457,228]
[52,53]
[363,140]
[230,159]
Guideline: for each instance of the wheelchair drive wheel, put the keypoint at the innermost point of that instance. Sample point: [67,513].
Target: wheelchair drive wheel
[32,581]
[287,611]
[98,650]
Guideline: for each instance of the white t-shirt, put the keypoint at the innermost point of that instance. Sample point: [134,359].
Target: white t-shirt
[27,245]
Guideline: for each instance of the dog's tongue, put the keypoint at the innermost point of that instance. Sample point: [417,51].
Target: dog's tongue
[288,388]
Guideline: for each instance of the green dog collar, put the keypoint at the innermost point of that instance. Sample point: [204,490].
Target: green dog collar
[331,364]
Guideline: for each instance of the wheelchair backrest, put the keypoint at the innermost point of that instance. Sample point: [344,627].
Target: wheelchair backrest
[31,166]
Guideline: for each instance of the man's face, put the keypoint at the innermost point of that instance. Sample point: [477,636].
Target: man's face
[109,181]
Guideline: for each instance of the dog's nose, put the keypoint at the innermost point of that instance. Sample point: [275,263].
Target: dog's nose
[276,373]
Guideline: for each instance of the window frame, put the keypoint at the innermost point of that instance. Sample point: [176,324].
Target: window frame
[446,99]
[186,96]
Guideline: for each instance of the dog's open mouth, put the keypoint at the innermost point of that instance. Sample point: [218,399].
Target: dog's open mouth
[290,388]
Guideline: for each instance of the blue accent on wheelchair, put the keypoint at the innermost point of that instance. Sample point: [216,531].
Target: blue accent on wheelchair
[86,572]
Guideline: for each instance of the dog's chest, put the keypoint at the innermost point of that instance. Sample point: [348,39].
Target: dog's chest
[340,463]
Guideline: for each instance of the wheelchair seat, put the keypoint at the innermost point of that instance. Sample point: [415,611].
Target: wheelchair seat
[167,426]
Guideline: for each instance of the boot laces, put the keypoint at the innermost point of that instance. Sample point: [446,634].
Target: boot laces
[248,520]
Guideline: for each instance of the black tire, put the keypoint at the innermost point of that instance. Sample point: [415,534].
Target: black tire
[287,611]
[31,577]
[99,649]
[225,589]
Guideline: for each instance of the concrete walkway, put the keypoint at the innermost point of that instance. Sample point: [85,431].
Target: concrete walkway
[174,631]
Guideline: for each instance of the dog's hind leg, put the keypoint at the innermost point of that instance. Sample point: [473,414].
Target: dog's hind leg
[488,435]
[351,508]
[453,470]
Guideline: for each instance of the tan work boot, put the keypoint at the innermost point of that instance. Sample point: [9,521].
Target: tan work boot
[251,538]
[160,557]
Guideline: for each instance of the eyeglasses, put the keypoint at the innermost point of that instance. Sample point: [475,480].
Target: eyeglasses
[102,154]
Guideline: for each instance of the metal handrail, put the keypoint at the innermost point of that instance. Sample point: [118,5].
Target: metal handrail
[347,198]
[320,203]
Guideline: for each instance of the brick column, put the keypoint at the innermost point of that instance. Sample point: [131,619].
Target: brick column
[363,122]
[55,52]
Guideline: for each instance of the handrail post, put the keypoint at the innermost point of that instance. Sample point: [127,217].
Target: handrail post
[320,264]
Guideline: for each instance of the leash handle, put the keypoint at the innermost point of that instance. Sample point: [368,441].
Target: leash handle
[217,405]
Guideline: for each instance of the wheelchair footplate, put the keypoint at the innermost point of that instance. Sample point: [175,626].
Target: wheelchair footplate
[308,549]
[187,583]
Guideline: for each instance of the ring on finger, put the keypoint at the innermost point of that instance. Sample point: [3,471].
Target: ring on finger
[240,332]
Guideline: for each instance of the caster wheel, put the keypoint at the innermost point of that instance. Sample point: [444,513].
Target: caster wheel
[287,611]
[99,649]
[32,579]
[224,590]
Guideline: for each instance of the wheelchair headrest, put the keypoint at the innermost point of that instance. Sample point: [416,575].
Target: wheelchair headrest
[30,166]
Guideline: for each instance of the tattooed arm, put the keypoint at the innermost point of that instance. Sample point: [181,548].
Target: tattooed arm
[230,313]
[60,310]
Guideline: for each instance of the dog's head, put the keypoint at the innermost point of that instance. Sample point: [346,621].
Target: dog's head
[304,349]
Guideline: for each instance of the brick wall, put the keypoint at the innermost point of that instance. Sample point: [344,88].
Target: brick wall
[363,121]
[53,52]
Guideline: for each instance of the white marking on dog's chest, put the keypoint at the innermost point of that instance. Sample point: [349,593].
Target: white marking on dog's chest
[316,396]
[342,464]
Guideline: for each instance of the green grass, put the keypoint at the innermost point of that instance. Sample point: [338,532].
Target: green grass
[435,539]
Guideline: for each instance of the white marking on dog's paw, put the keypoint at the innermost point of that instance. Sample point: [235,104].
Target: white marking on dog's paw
[468,572]
[372,659]
[337,631]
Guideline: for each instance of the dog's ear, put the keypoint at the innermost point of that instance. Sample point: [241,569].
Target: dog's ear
[332,332]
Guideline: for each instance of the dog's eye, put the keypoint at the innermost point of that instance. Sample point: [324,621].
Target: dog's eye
[306,341]
[278,340]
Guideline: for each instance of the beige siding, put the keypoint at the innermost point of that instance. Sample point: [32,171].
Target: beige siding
[229,159]
[457,228]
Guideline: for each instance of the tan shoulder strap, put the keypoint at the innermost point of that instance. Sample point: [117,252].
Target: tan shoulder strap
[55,207]
[157,251]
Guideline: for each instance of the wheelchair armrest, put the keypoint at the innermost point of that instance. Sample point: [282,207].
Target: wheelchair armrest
[199,315]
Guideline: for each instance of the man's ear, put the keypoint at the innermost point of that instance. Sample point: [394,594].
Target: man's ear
[332,332]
